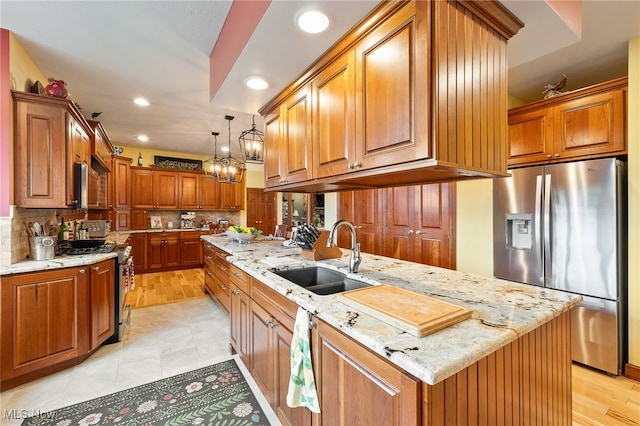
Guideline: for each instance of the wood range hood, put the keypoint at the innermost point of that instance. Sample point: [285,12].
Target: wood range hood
[415,93]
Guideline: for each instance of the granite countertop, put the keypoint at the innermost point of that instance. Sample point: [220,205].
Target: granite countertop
[57,262]
[502,311]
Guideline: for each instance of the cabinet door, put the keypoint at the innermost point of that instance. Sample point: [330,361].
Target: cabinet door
[78,148]
[232,196]
[165,189]
[368,220]
[138,243]
[191,249]
[345,371]
[39,179]
[387,95]
[172,250]
[590,125]
[189,191]
[139,219]
[102,306]
[297,137]
[262,353]
[209,193]
[401,203]
[334,117]
[122,220]
[142,189]
[93,189]
[274,154]
[44,320]
[530,137]
[435,224]
[240,316]
[121,183]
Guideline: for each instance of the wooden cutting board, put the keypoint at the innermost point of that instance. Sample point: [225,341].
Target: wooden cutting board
[412,312]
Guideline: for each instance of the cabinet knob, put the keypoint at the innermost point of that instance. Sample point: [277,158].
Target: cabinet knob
[235,292]
[96,268]
[418,232]
[548,155]
[556,155]
[349,166]
[356,164]
[82,271]
[410,231]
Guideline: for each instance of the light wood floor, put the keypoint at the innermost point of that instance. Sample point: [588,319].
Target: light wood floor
[165,287]
[598,399]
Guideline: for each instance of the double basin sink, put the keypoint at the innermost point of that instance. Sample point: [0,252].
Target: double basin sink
[320,280]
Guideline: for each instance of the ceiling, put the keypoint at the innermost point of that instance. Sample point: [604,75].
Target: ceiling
[110,52]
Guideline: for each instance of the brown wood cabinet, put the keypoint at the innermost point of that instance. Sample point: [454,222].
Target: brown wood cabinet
[217,276]
[44,124]
[239,312]
[419,224]
[198,191]
[192,248]
[210,269]
[419,116]
[120,192]
[288,141]
[138,243]
[271,330]
[232,196]
[139,219]
[102,302]
[154,189]
[345,371]
[585,123]
[163,250]
[45,322]
[261,210]
[101,148]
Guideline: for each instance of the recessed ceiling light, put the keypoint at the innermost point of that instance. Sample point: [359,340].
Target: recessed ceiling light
[143,138]
[256,83]
[141,101]
[312,21]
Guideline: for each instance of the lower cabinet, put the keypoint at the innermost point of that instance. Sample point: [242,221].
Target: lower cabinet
[138,243]
[216,276]
[163,250]
[102,302]
[53,319]
[191,248]
[344,370]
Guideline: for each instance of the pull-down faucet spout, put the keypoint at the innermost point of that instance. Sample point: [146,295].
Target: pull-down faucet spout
[355,259]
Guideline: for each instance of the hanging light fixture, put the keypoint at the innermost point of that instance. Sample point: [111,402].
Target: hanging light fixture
[252,144]
[229,170]
[211,165]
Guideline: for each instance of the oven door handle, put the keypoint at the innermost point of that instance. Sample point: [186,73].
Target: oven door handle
[128,308]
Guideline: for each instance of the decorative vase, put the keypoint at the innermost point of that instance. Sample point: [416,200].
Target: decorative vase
[57,88]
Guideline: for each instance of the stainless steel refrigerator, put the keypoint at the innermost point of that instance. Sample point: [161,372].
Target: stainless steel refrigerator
[563,226]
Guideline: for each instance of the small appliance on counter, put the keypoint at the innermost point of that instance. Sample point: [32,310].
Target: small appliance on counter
[188,220]
[97,228]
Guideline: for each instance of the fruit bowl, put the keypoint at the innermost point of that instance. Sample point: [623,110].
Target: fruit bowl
[241,238]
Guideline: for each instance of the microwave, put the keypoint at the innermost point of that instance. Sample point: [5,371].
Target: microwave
[97,228]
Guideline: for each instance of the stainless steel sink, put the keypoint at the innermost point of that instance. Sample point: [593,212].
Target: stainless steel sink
[320,280]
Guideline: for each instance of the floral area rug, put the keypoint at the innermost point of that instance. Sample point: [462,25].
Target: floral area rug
[214,395]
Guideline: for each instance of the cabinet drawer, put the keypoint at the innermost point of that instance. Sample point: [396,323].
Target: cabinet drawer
[266,297]
[239,278]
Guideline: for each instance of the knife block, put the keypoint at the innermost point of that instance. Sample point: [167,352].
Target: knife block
[320,250]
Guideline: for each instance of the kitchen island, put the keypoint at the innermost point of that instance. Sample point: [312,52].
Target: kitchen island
[509,362]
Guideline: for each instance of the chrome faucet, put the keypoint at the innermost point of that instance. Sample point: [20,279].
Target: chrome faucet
[355,259]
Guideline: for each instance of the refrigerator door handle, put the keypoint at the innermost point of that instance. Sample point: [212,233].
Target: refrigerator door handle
[538,232]
[547,230]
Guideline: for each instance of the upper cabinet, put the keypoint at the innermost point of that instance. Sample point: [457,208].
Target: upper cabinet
[198,191]
[584,123]
[154,189]
[101,148]
[397,101]
[50,135]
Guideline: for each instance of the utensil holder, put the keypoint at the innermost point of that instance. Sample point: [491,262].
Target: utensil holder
[43,248]
[320,250]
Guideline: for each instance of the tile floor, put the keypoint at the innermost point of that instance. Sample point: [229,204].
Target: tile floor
[161,341]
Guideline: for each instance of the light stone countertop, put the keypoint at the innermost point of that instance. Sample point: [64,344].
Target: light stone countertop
[502,311]
[57,262]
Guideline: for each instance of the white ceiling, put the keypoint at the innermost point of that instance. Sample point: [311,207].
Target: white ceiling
[110,52]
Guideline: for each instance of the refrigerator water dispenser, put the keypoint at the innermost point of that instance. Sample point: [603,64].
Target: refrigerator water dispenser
[519,231]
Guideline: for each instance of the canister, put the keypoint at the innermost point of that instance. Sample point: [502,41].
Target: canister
[43,248]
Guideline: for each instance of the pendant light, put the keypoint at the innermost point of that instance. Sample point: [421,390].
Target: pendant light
[211,165]
[229,170]
[252,144]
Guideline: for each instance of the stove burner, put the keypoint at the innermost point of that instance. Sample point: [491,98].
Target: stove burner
[66,249]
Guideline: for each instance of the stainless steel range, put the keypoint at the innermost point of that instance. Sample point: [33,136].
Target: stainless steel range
[80,247]
[125,281]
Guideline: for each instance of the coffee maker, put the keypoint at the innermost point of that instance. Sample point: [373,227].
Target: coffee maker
[188,220]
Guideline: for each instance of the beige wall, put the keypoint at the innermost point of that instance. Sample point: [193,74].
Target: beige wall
[634,201]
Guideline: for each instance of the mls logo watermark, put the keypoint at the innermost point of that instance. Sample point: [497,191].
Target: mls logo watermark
[23,413]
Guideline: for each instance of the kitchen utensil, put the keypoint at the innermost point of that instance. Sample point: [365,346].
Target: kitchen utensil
[47,227]
[38,229]
[29,229]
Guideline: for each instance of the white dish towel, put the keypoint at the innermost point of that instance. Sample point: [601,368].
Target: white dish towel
[302,385]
